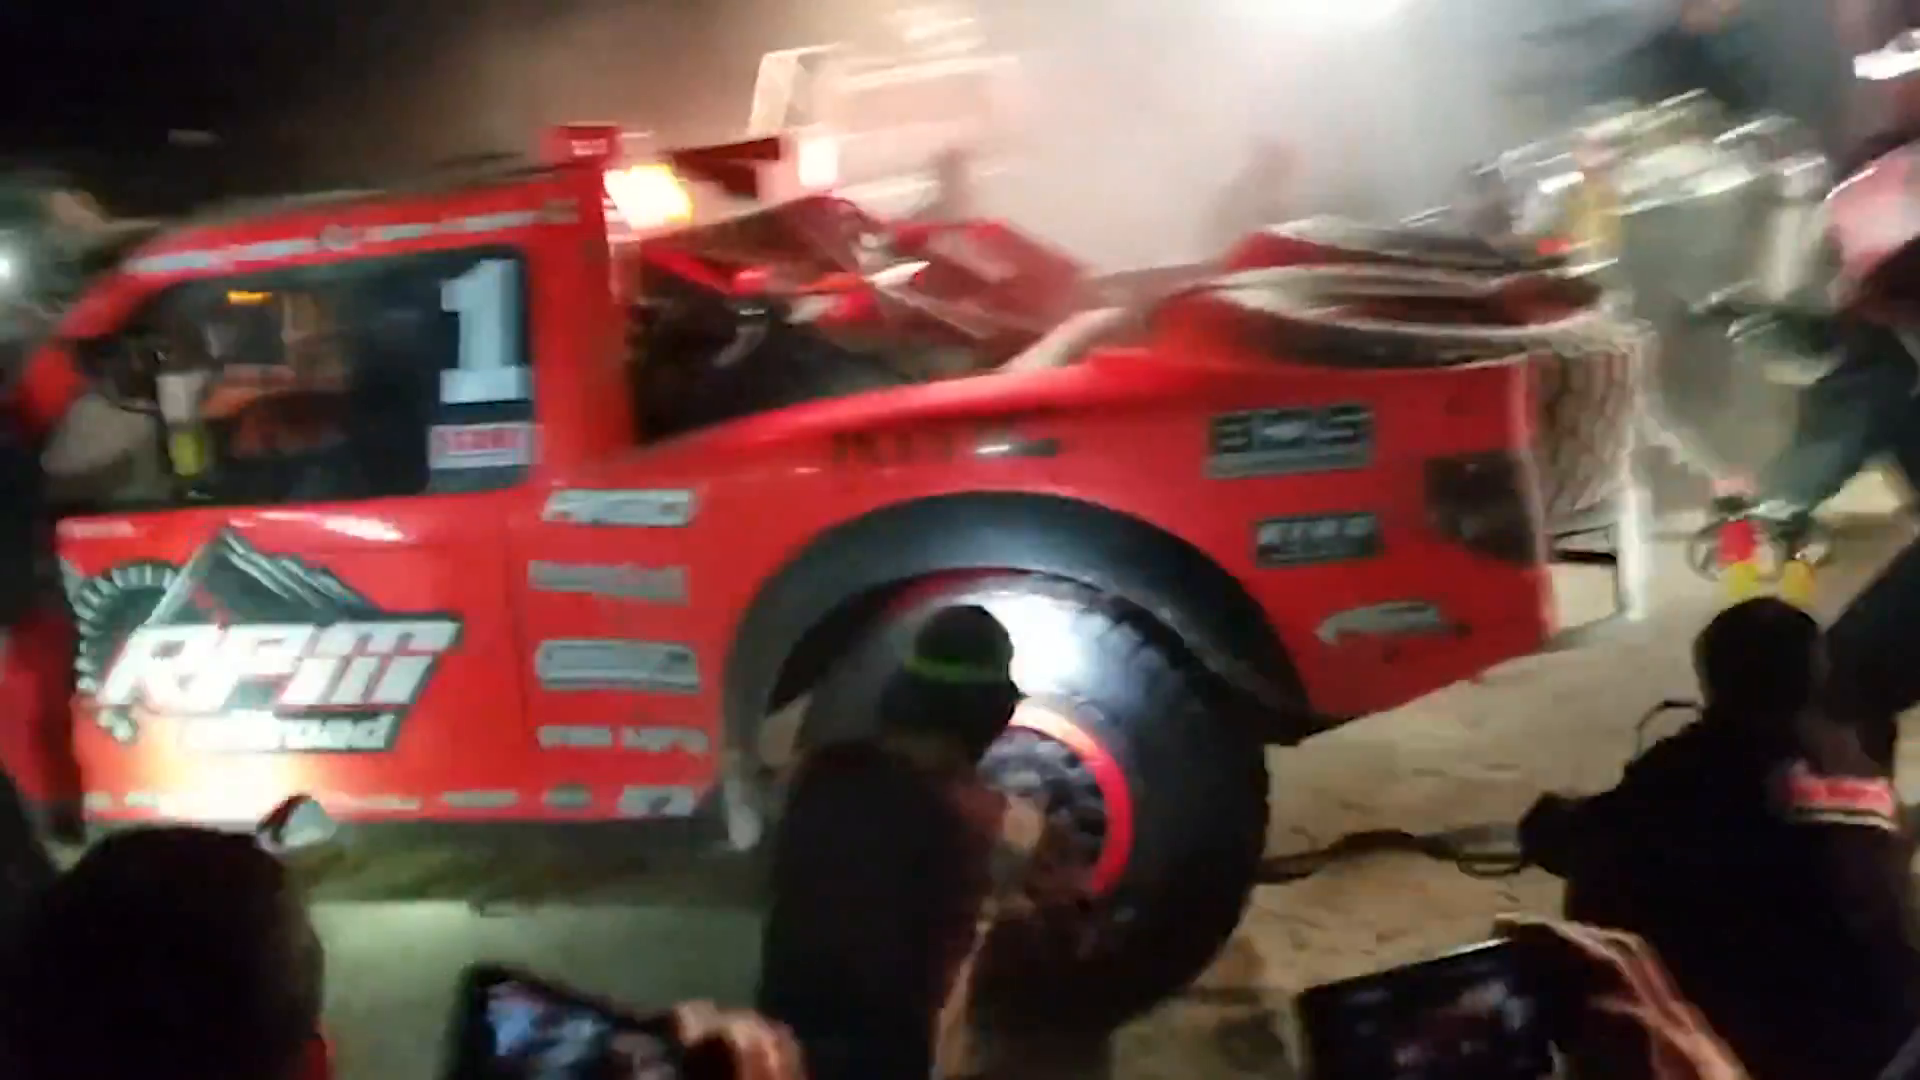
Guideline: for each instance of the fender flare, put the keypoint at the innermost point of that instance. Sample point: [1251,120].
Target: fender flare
[1113,553]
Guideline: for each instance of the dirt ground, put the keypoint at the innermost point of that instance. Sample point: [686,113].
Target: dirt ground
[1479,752]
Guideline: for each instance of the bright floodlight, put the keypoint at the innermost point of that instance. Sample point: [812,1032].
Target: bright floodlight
[817,160]
[1896,60]
[9,268]
[649,196]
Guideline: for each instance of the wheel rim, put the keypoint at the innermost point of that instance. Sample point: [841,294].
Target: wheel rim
[1049,757]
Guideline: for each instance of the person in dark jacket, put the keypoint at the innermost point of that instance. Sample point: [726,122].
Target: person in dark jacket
[886,857]
[1760,852]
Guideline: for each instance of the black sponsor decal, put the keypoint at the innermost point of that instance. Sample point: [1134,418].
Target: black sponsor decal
[245,652]
[1282,442]
[1316,538]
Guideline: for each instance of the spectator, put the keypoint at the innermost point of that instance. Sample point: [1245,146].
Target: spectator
[167,954]
[886,857]
[1760,852]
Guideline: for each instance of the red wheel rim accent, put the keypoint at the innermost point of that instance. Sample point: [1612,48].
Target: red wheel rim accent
[1046,720]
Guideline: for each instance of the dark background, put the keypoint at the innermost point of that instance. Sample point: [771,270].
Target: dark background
[317,93]
[307,93]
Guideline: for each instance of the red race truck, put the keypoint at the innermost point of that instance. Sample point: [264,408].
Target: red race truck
[424,509]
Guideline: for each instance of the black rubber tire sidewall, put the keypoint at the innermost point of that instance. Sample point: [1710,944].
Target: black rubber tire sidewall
[1199,790]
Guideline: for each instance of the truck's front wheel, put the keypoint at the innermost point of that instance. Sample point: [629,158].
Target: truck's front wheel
[1167,798]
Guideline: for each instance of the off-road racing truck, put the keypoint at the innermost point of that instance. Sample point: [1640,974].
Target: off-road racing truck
[398,535]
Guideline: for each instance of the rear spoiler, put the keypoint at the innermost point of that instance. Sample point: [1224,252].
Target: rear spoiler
[738,168]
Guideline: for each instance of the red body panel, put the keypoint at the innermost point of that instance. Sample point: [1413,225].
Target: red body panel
[1131,424]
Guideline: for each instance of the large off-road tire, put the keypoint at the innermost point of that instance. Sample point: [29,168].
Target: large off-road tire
[1586,358]
[1166,793]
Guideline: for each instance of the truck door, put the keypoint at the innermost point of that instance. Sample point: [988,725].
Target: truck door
[622,686]
[298,585]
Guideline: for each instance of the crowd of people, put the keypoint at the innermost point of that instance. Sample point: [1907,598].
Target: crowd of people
[1741,900]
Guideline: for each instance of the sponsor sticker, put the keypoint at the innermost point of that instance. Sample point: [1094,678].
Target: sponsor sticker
[479,800]
[1814,799]
[643,740]
[617,664]
[574,737]
[376,804]
[657,802]
[338,688]
[670,508]
[1399,618]
[626,581]
[1285,442]
[452,447]
[666,740]
[938,446]
[568,797]
[241,651]
[1305,539]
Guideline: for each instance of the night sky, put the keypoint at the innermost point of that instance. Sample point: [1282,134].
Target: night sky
[92,87]
[309,93]
[111,73]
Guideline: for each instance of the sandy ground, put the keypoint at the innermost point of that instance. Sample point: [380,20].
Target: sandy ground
[1478,752]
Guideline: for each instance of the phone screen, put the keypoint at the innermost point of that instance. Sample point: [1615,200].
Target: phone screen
[515,1027]
[1469,1015]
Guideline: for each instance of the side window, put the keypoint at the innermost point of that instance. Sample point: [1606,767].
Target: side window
[375,378]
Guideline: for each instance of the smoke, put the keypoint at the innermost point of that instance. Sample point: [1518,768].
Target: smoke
[1138,116]
[1129,121]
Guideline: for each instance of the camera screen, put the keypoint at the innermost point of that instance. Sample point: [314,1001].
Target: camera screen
[523,1030]
[1470,1015]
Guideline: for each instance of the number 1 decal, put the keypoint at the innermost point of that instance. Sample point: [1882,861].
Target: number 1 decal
[486,370]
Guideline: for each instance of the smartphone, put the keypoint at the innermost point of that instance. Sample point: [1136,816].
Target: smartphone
[510,1025]
[1473,1014]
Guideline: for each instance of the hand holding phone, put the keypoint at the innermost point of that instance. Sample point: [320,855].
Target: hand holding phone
[1474,1014]
[1619,1011]
[1507,1009]
[510,1025]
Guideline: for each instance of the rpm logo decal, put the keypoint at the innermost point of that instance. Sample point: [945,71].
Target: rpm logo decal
[243,652]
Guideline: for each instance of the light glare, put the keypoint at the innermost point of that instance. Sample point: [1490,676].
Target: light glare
[648,196]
